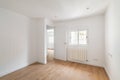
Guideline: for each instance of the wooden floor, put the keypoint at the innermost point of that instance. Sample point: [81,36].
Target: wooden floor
[50,55]
[58,70]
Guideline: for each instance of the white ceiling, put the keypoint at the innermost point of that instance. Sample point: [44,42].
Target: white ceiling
[55,9]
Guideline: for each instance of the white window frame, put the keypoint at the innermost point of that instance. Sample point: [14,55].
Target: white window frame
[78,37]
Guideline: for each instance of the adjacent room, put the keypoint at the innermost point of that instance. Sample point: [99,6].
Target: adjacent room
[50,43]
[59,40]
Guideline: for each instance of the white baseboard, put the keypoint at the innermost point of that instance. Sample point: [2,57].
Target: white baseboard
[60,58]
[14,69]
[108,73]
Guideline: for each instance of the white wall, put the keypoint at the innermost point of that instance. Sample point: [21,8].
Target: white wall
[38,38]
[49,22]
[112,39]
[42,41]
[95,26]
[14,51]
[33,39]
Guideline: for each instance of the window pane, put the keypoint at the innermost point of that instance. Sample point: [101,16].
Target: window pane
[50,40]
[73,38]
[83,37]
[50,36]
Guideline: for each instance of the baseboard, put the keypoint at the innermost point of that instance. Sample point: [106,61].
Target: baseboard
[108,73]
[14,69]
[94,64]
[60,58]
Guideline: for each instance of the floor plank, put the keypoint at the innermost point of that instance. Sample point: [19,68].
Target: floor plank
[58,70]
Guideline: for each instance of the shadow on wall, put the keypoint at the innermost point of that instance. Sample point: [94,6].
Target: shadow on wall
[32,43]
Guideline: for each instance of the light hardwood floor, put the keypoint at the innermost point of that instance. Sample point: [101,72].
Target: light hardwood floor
[58,70]
[50,55]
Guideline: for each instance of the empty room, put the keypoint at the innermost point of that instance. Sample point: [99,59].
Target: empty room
[59,39]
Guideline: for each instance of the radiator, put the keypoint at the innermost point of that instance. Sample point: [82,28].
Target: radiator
[77,54]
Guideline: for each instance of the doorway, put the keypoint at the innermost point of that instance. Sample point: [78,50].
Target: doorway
[50,44]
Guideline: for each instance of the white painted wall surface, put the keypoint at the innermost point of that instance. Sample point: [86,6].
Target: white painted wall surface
[33,39]
[14,51]
[37,36]
[112,40]
[40,41]
[49,22]
[59,39]
[95,26]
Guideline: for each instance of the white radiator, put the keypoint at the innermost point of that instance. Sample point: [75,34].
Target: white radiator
[77,54]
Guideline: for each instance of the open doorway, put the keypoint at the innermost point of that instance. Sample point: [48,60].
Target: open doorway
[50,43]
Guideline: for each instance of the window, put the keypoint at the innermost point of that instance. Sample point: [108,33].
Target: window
[73,38]
[82,37]
[50,36]
[78,37]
